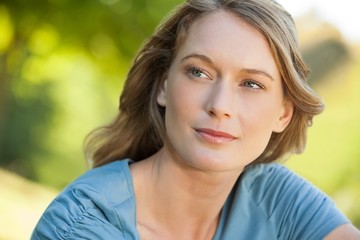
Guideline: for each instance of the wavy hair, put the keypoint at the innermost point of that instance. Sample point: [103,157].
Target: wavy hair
[138,130]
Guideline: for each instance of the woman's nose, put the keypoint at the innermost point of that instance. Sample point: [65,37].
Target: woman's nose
[220,102]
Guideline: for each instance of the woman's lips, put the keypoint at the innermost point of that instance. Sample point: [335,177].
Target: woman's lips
[214,136]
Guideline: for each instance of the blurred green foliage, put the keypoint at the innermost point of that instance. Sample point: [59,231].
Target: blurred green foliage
[325,56]
[63,64]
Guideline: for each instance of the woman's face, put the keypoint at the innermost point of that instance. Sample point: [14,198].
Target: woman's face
[223,96]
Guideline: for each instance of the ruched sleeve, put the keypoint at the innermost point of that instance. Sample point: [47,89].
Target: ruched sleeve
[74,216]
[98,205]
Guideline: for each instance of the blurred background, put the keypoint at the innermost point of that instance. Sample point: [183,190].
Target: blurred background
[62,68]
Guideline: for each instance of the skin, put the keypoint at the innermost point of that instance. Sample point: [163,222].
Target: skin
[230,85]
[223,98]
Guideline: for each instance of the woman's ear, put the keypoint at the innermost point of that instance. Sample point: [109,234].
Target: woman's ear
[161,97]
[285,116]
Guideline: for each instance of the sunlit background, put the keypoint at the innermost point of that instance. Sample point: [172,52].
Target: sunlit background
[343,15]
[62,67]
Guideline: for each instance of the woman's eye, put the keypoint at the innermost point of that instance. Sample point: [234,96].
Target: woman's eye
[253,84]
[197,72]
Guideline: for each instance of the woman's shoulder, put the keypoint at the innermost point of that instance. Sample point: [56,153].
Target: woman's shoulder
[105,179]
[274,187]
[99,203]
[260,177]
[295,207]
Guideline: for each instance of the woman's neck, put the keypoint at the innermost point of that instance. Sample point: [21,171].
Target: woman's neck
[175,201]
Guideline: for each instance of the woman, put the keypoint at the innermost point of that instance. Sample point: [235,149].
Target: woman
[215,95]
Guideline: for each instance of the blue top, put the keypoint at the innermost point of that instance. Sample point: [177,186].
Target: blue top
[268,202]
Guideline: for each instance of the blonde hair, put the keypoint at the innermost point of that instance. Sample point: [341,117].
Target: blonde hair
[138,130]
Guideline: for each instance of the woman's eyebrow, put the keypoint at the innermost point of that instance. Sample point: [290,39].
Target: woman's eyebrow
[209,61]
[199,56]
[256,71]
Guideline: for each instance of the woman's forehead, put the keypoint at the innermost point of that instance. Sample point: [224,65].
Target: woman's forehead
[227,39]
